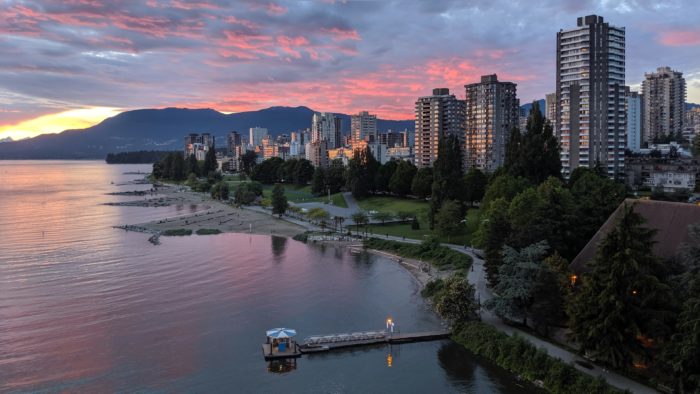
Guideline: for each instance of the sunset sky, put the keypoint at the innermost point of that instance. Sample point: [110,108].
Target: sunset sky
[100,56]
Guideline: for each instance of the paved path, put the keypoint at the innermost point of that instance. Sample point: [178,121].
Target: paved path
[352,203]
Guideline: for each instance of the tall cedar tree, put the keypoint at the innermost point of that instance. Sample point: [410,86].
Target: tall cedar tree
[247,162]
[210,164]
[192,166]
[177,167]
[362,171]
[303,172]
[534,155]
[447,175]
[495,231]
[279,200]
[400,182]
[318,183]
[422,183]
[474,185]
[623,301]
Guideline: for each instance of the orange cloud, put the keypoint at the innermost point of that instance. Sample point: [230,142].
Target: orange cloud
[58,122]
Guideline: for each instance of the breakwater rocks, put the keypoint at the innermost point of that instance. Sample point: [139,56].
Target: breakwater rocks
[154,239]
[152,202]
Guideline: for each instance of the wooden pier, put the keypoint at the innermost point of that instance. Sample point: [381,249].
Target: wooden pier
[339,341]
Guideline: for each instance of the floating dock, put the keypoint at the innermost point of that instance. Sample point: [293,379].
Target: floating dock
[290,352]
[317,344]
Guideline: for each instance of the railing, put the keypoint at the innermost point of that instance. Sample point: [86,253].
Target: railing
[345,337]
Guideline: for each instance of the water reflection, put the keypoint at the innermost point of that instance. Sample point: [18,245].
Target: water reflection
[279,244]
[282,366]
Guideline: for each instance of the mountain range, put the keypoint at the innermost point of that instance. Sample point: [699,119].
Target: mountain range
[165,129]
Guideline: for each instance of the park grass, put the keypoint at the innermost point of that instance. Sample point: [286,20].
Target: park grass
[177,232]
[394,205]
[399,229]
[439,256]
[301,194]
[208,231]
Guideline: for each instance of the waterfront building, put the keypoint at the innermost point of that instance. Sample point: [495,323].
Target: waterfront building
[550,110]
[664,103]
[590,93]
[363,127]
[317,153]
[492,112]
[256,135]
[634,121]
[198,145]
[233,140]
[436,115]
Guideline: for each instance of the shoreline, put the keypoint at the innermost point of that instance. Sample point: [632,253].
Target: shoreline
[214,215]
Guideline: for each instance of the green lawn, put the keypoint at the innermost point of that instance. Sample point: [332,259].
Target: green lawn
[298,194]
[420,209]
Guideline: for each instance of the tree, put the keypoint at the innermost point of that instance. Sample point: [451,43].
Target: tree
[682,352]
[360,219]
[362,170]
[210,163]
[516,280]
[247,192]
[623,300]
[318,183]
[339,223]
[503,186]
[334,178]
[269,171]
[279,200]
[400,182]
[696,145]
[383,216]
[492,234]
[404,215]
[192,166]
[177,168]
[318,214]
[303,172]
[535,155]
[549,293]
[447,175]
[247,162]
[220,191]
[456,301]
[384,174]
[448,218]
[289,168]
[422,183]
[474,185]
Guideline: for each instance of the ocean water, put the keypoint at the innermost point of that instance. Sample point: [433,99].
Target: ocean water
[85,307]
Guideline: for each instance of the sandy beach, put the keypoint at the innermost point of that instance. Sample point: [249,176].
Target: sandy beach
[213,215]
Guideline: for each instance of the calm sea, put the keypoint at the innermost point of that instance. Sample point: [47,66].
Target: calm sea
[85,307]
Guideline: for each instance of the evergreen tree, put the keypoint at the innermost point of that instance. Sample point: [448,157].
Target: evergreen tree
[517,277]
[247,162]
[422,183]
[289,169]
[210,163]
[682,354]
[318,184]
[303,172]
[384,174]
[335,176]
[534,155]
[177,167]
[279,200]
[192,166]
[623,300]
[492,234]
[448,218]
[549,294]
[220,191]
[400,182]
[447,175]
[503,186]
[362,171]
[474,185]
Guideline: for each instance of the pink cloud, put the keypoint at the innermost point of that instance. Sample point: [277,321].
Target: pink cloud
[677,38]
[341,34]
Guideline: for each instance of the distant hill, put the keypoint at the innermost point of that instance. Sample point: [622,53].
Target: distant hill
[689,106]
[8,139]
[165,129]
[525,108]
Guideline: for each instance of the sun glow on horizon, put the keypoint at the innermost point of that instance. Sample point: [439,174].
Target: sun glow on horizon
[58,122]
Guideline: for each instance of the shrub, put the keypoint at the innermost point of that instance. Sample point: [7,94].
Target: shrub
[208,231]
[177,232]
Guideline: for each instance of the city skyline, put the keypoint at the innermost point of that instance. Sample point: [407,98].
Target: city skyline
[99,58]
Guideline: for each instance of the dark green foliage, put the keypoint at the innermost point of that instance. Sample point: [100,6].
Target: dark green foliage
[177,168]
[210,163]
[492,235]
[318,182]
[549,294]
[682,354]
[503,186]
[624,296]
[220,191]
[384,174]
[696,145]
[362,171]
[414,224]
[247,192]
[247,162]
[360,219]
[475,182]
[138,157]
[303,172]
[534,155]
[400,182]
[269,171]
[208,231]
[422,183]
[192,166]
[279,200]
[449,218]
[432,288]
[519,356]
[447,175]
[334,176]
[177,232]
[430,251]
[455,301]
